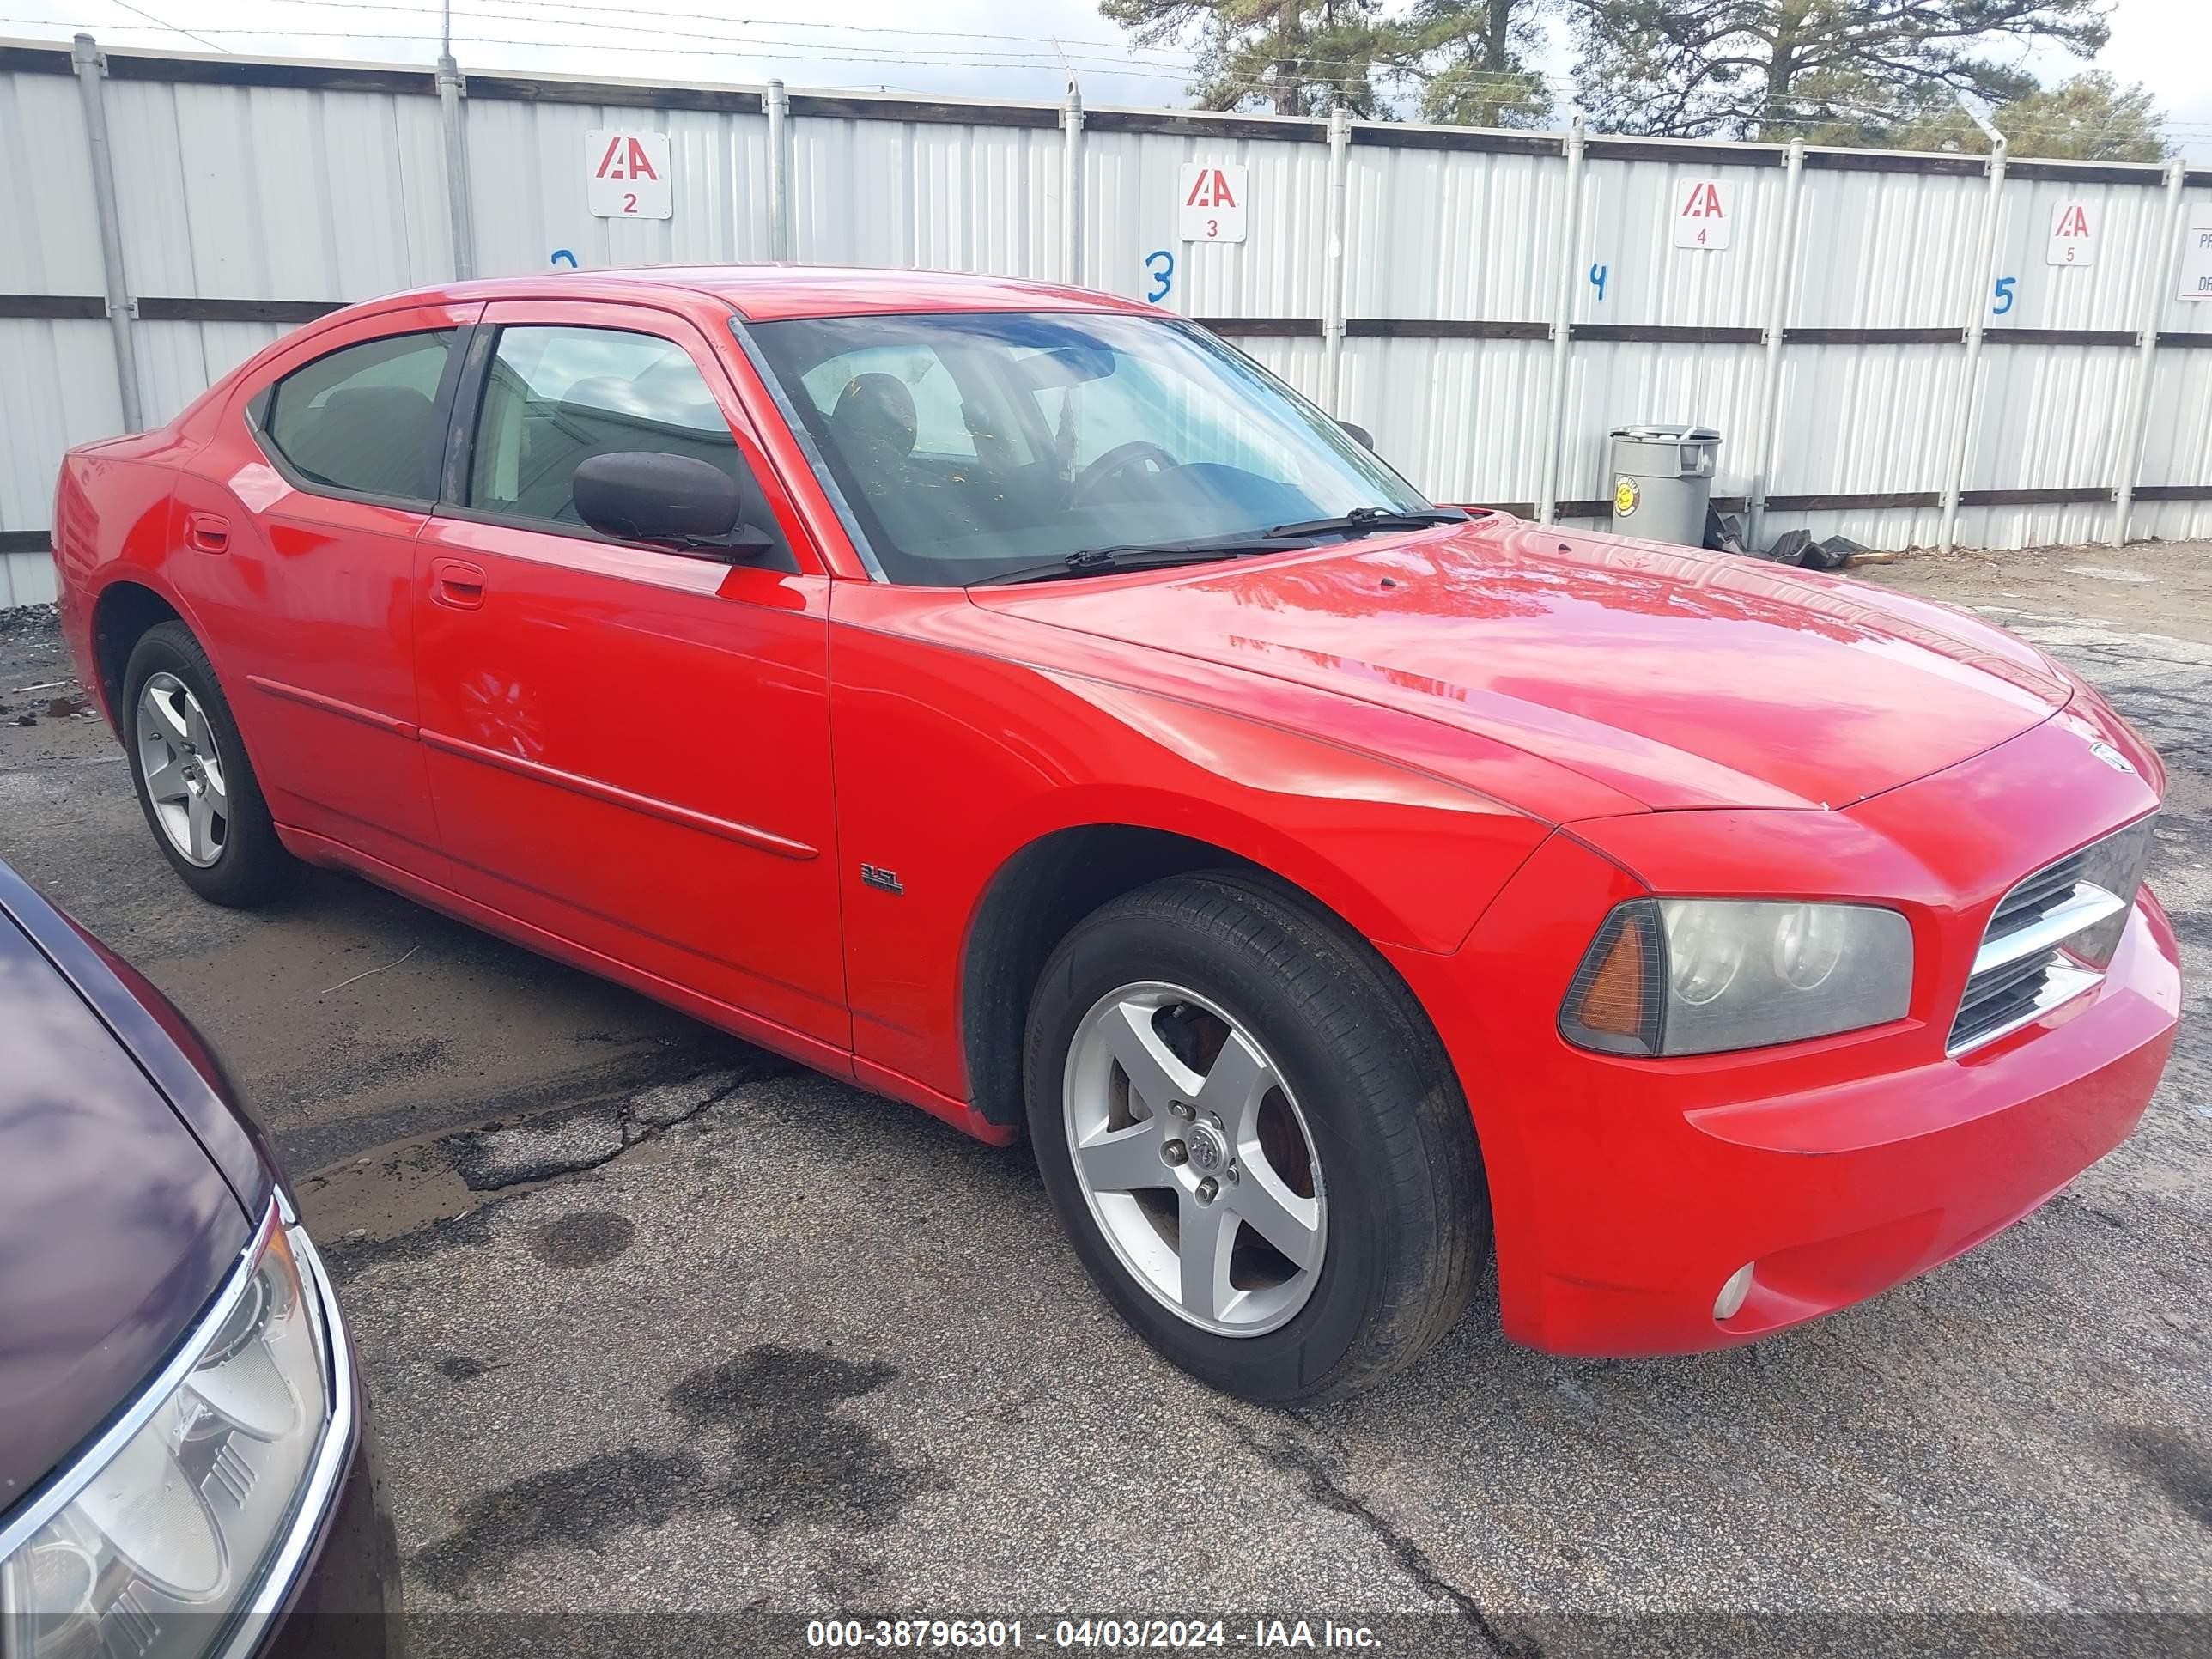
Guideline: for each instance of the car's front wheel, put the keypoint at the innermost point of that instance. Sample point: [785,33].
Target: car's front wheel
[195,783]
[1254,1141]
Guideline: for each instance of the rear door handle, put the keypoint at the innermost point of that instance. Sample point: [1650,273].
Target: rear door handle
[457,583]
[207,533]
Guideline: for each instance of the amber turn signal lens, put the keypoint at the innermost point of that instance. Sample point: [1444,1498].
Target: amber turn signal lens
[1613,1001]
[1615,1004]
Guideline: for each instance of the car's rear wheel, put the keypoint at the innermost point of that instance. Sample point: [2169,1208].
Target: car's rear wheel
[1252,1138]
[195,783]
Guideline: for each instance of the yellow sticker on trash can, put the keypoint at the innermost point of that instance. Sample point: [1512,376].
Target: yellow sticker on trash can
[1626,496]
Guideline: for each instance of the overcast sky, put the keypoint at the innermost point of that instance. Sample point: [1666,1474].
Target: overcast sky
[971,48]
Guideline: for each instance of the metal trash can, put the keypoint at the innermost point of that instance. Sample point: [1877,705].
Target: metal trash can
[1662,477]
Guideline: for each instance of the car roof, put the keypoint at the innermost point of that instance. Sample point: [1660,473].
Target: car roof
[770,292]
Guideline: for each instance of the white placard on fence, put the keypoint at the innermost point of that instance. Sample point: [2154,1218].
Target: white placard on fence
[2073,236]
[1213,202]
[2196,256]
[1701,216]
[628,176]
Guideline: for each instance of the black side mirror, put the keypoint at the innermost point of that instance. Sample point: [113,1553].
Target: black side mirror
[636,496]
[1360,435]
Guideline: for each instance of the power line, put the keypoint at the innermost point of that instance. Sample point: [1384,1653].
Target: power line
[187,34]
[971,58]
[514,11]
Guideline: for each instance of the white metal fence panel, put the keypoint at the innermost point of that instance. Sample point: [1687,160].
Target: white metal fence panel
[178,360]
[528,170]
[1130,203]
[59,388]
[1629,213]
[50,244]
[1885,250]
[1452,414]
[276,193]
[1451,233]
[925,195]
[252,194]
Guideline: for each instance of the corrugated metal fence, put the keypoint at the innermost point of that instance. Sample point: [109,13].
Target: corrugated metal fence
[1883,341]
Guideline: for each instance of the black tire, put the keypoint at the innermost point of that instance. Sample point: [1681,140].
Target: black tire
[1408,1220]
[252,867]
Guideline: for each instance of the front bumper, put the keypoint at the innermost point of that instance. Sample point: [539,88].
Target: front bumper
[1626,1191]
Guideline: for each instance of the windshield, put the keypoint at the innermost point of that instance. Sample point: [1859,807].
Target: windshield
[970,446]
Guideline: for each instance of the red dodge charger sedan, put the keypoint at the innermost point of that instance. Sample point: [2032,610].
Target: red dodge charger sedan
[1015,701]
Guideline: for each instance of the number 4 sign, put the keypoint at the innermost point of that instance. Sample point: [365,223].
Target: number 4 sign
[627,175]
[1700,219]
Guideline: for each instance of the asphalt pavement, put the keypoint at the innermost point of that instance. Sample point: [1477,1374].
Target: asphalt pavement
[655,1323]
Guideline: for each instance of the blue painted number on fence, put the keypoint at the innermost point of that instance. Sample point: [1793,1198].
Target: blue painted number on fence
[2005,286]
[1598,273]
[561,253]
[1161,263]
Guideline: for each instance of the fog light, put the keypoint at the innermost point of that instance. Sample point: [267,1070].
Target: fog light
[1733,1293]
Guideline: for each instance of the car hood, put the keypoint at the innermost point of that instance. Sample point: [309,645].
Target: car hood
[1681,678]
[115,1227]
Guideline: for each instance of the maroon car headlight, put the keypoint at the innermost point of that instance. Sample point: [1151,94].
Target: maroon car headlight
[1701,976]
[158,1554]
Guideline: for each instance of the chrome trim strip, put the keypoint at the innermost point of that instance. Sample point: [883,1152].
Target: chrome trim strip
[2063,982]
[2085,907]
[351,711]
[283,1567]
[20,1527]
[745,834]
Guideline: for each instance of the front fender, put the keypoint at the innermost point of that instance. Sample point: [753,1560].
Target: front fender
[950,763]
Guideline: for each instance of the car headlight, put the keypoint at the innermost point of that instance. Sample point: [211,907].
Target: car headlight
[1697,977]
[156,1554]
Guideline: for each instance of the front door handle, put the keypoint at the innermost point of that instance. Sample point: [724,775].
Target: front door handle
[457,583]
[207,533]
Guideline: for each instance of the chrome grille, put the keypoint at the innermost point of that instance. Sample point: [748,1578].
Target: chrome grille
[2050,937]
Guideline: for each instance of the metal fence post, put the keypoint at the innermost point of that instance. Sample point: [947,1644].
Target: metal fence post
[1332,323]
[459,212]
[1977,320]
[776,105]
[91,69]
[1562,311]
[1070,186]
[1780,267]
[2158,283]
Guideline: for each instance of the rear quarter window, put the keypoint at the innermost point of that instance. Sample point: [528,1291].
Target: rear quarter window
[364,419]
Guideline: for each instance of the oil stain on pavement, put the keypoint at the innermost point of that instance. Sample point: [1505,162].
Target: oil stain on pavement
[583,1240]
[790,1461]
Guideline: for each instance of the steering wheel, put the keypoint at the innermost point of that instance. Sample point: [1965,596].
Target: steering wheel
[1122,458]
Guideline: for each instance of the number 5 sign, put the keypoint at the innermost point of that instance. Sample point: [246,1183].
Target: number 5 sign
[1212,203]
[627,175]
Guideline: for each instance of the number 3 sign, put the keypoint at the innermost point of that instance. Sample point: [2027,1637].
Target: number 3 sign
[1212,203]
[627,175]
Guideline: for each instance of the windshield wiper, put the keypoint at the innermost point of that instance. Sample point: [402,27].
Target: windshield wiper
[1364,520]
[1142,555]
[1134,555]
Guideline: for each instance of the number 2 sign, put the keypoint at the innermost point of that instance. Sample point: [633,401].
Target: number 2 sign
[627,175]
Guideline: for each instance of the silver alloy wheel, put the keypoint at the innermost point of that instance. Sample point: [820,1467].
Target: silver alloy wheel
[1195,1159]
[182,769]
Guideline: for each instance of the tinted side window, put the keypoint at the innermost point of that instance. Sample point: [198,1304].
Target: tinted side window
[362,418]
[556,397]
